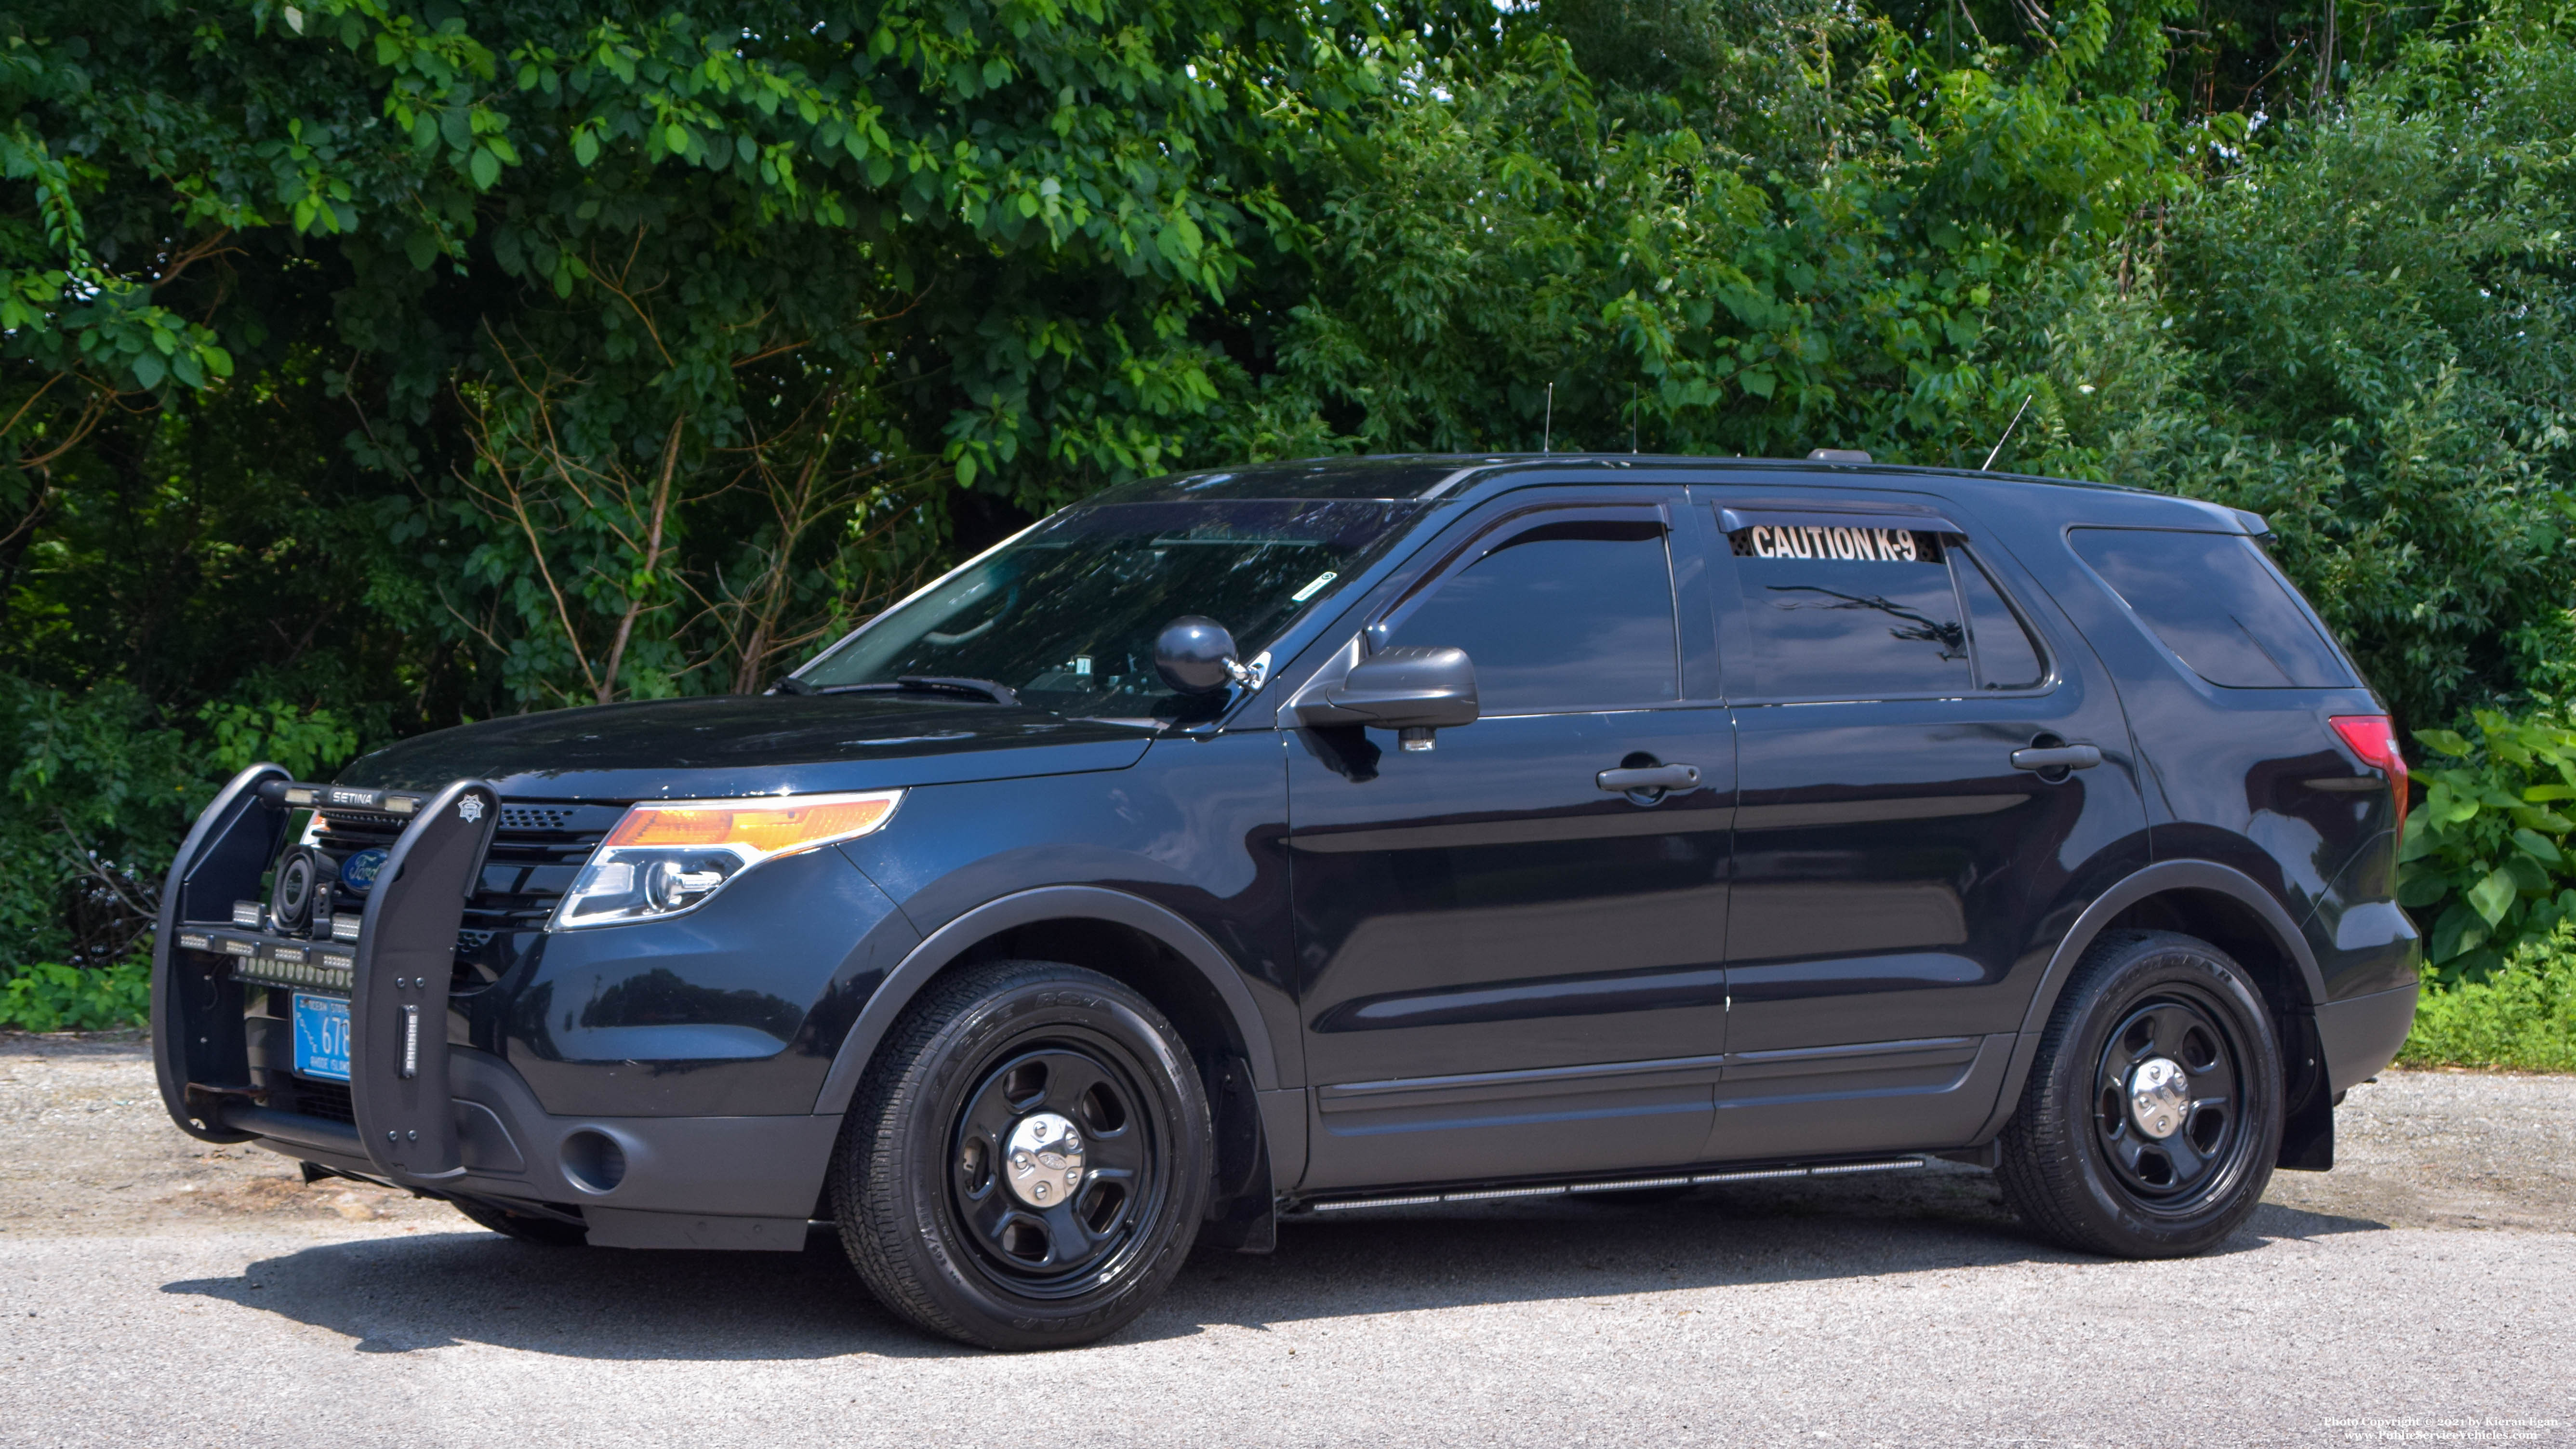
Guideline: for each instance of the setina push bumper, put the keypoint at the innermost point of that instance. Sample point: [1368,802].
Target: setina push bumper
[364,957]
[301,1000]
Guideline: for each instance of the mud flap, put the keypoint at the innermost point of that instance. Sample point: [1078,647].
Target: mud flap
[1240,1211]
[2307,1116]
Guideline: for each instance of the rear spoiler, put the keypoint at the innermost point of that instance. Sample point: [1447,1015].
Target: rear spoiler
[217,937]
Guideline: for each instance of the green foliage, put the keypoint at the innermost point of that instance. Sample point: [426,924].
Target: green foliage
[2486,858]
[97,799]
[2363,332]
[50,996]
[1667,296]
[2522,1017]
[368,366]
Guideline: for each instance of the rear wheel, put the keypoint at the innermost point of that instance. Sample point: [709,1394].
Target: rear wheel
[2152,1117]
[545,1232]
[1026,1162]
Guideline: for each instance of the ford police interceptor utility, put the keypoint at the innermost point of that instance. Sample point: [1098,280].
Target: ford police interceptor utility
[1280,840]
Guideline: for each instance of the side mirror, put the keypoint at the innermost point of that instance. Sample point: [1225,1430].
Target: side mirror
[1411,690]
[1195,655]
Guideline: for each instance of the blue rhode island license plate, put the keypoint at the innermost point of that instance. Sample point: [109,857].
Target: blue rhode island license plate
[321,1037]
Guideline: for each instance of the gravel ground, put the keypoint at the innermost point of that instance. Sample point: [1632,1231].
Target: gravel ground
[154,1291]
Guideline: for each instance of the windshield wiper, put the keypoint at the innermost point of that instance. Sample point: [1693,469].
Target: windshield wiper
[993,690]
[989,690]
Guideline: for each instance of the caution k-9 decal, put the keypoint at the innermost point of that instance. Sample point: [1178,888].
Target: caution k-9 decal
[1865,545]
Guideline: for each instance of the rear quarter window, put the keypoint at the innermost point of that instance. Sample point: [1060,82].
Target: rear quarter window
[2218,604]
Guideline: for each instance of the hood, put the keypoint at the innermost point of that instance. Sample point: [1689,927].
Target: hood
[682,749]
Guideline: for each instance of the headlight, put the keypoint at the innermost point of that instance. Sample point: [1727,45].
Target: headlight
[668,857]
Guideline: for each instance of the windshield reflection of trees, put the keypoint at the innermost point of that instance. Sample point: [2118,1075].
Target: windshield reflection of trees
[1919,627]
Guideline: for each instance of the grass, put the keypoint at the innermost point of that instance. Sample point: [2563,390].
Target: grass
[2521,1017]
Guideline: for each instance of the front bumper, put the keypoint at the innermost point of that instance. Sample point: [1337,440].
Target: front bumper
[637,1182]
[419,1112]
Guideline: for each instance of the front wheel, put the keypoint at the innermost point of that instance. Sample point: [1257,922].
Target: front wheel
[2152,1117]
[1026,1162]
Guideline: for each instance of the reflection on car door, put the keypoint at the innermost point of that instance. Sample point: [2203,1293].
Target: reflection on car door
[1507,968]
[1893,865]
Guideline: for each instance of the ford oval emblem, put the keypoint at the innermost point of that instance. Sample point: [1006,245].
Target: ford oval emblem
[358,872]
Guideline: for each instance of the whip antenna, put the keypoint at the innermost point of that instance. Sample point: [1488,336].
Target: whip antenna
[2008,430]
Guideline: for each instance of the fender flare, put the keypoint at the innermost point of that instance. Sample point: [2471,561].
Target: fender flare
[1045,903]
[2152,880]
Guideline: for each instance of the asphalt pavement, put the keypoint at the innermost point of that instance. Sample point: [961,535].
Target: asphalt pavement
[156,1292]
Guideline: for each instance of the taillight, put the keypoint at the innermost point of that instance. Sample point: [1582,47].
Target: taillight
[2372,737]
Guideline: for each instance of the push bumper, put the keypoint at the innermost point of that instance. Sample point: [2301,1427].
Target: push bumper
[441,1119]
[217,942]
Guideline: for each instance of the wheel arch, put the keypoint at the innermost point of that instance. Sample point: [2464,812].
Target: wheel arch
[1145,945]
[2217,903]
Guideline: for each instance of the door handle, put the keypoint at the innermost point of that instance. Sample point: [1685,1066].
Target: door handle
[2059,757]
[1651,777]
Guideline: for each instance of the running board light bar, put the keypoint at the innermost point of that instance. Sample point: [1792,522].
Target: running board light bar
[1624,1184]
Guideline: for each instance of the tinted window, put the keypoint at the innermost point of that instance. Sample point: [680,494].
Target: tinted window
[1570,614]
[2215,600]
[1067,614]
[1998,641]
[1850,613]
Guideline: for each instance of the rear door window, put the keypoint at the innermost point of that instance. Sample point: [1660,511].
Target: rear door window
[1872,612]
[1572,612]
[1999,643]
[2218,604]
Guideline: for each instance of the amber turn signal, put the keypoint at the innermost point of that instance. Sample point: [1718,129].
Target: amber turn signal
[767,828]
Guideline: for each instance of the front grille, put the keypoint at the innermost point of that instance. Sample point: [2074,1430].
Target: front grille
[320,1099]
[537,817]
[536,851]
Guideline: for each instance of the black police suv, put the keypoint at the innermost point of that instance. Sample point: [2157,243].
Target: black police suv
[1342,833]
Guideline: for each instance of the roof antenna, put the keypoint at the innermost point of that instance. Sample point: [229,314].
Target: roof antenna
[1547,430]
[1632,418]
[2008,430]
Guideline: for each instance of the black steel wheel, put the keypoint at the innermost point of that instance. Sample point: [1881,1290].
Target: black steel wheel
[1057,1165]
[2166,1097]
[535,1228]
[1027,1160]
[2152,1117]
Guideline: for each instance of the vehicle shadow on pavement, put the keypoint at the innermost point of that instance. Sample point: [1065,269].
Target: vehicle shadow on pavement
[1401,1260]
[398,1295]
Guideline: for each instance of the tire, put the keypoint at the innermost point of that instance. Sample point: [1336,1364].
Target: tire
[955,1211]
[2088,1163]
[526,1227]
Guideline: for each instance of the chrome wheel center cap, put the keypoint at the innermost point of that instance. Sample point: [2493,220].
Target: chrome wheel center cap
[1043,1160]
[2158,1097]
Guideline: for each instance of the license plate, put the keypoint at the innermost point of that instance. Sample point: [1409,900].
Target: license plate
[321,1037]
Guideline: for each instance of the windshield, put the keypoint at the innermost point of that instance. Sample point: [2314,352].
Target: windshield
[1066,615]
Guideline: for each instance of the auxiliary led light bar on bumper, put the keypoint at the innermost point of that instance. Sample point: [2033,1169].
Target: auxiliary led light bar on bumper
[393,962]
